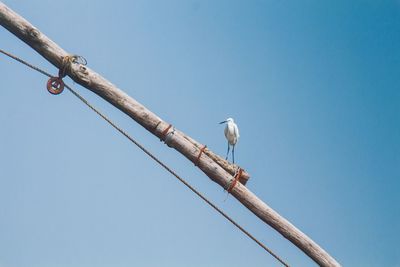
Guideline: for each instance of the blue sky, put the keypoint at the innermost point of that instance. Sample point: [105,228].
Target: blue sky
[313,86]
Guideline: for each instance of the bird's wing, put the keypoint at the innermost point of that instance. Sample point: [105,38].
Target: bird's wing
[236,129]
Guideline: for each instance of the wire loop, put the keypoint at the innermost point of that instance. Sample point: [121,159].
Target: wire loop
[79,60]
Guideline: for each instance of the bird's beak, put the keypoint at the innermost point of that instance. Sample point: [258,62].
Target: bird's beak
[222,122]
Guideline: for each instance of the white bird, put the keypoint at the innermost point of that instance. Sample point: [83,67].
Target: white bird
[232,135]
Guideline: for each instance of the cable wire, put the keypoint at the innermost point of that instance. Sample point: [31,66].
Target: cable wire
[194,190]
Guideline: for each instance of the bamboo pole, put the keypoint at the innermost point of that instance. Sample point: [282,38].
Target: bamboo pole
[216,168]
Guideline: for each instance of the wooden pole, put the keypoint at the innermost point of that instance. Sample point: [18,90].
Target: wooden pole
[216,168]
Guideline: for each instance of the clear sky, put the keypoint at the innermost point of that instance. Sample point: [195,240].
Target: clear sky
[314,87]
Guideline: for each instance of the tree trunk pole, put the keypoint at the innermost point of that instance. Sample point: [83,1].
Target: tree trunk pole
[216,168]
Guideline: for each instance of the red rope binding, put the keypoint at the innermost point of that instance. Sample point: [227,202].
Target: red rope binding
[198,157]
[235,180]
[164,133]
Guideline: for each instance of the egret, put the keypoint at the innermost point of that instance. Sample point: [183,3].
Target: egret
[232,135]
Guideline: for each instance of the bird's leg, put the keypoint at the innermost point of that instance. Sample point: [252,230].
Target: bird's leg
[227,153]
[233,154]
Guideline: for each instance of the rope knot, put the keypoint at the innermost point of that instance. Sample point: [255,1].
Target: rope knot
[232,183]
[55,85]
